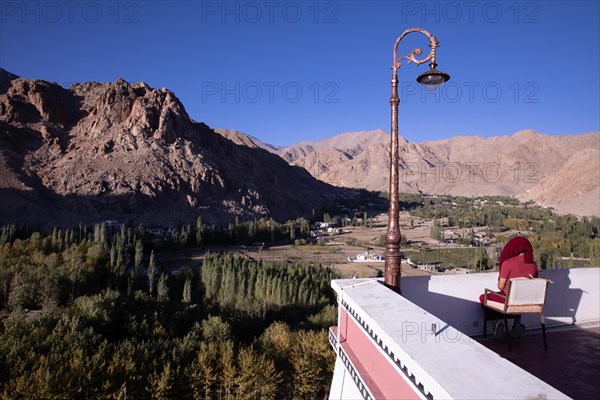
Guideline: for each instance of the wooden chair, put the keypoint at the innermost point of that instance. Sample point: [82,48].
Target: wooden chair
[525,296]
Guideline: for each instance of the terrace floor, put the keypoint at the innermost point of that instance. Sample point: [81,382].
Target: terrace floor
[571,364]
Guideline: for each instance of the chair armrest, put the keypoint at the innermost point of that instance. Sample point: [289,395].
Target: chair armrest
[485,295]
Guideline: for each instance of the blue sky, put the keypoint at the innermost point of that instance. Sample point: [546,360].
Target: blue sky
[291,71]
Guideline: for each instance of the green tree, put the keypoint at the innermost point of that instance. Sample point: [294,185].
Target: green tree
[199,231]
[74,263]
[311,358]
[594,252]
[257,377]
[151,272]
[276,343]
[228,371]
[187,292]
[139,254]
[215,329]
[162,288]
[436,230]
[161,385]
[204,371]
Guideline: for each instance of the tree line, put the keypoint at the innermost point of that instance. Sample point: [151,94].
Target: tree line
[554,237]
[267,231]
[236,284]
[109,323]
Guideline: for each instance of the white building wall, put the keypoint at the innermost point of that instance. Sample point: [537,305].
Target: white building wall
[342,386]
[573,297]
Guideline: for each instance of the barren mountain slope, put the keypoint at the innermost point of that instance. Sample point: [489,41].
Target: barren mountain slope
[467,166]
[358,160]
[574,188]
[505,165]
[128,151]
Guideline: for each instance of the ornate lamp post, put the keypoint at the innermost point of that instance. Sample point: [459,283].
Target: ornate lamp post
[431,79]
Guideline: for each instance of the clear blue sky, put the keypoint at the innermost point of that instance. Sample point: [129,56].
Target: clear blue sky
[304,70]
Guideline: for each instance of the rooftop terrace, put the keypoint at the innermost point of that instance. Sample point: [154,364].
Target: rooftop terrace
[428,344]
[571,364]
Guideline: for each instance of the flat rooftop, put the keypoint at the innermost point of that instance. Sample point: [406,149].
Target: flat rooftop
[428,343]
[571,364]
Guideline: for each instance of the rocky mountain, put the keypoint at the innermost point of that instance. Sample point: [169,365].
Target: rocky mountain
[556,171]
[123,151]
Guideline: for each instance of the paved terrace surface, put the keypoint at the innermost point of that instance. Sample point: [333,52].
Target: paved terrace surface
[571,364]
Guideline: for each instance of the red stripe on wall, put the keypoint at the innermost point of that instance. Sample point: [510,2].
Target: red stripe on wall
[376,370]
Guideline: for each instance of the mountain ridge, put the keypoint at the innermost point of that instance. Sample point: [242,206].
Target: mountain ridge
[116,150]
[510,165]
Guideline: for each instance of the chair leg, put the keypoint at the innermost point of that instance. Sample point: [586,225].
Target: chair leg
[484,324]
[544,336]
[507,334]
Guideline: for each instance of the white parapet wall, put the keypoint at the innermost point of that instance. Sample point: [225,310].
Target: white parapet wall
[390,348]
[573,297]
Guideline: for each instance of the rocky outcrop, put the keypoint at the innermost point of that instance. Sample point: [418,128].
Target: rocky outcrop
[131,152]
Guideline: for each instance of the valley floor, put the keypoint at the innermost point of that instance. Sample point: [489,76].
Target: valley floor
[336,250]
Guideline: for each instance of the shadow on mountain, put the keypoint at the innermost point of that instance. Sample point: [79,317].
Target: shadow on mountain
[129,152]
[47,209]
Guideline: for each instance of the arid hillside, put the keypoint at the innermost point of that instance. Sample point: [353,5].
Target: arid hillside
[124,151]
[555,171]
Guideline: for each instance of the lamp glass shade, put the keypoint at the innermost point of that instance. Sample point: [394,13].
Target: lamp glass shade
[433,78]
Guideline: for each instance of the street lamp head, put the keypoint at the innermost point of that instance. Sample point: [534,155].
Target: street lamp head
[433,78]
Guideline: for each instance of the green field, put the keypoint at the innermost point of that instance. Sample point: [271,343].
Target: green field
[468,257]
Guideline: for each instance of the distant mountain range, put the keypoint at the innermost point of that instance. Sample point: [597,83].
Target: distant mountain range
[562,172]
[131,152]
